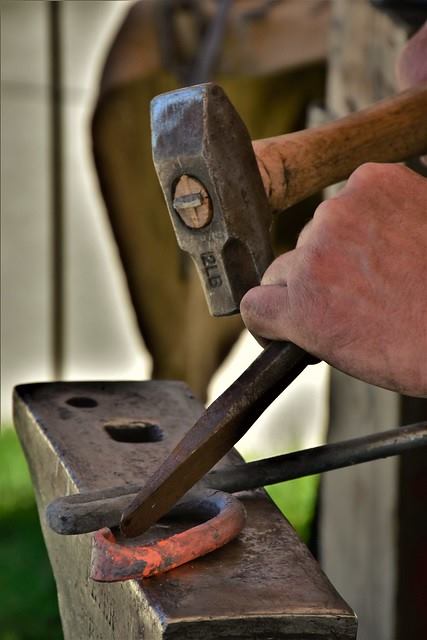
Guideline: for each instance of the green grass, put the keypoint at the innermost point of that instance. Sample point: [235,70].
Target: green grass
[296,499]
[28,604]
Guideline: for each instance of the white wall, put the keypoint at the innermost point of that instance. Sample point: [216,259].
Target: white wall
[101,338]
[24,196]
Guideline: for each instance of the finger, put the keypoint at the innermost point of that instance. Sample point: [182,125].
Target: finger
[265,312]
[314,226]
[263,342]
[305,233]
[278,271]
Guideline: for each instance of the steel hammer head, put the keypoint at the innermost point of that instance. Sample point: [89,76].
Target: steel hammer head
[203,156]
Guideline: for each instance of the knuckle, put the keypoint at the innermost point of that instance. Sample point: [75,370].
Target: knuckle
[325,208]
[395,172]
[366,172]
[326,214]
[327,219]
[329,209]
[276,272]
[305,233]
[376,173]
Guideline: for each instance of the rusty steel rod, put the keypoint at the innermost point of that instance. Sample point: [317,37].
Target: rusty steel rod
[328,457]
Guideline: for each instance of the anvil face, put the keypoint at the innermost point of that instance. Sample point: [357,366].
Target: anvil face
[264,584]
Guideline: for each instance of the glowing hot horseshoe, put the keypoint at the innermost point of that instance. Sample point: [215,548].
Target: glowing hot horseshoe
[113,561]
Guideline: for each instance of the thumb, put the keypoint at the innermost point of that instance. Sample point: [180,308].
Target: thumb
[265,312]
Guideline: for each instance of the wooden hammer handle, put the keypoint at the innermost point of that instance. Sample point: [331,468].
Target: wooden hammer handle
[296,165]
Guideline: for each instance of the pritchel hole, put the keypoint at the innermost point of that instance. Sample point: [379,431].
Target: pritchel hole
[82,403]
[134,431]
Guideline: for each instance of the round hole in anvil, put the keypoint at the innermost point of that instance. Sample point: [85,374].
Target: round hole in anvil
[134,431]
[81,402]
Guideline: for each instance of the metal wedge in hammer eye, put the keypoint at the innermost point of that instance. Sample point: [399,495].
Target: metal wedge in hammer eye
[192,203]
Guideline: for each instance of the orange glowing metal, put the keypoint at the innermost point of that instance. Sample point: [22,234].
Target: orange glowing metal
[113,561]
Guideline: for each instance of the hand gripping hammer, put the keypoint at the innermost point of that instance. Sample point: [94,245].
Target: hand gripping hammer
[221,189]
[221,192]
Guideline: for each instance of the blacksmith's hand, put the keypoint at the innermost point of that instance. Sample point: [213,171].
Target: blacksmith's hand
[354,290]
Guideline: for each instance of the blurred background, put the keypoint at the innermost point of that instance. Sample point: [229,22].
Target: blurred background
[66,311]
[77,291]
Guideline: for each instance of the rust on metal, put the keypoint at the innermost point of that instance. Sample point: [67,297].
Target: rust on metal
[115,559]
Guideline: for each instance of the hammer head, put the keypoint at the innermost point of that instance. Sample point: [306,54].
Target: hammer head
[207,169]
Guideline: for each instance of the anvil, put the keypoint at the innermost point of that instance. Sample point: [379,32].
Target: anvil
[265,584]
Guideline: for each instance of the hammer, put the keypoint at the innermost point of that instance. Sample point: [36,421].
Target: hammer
[220,196]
